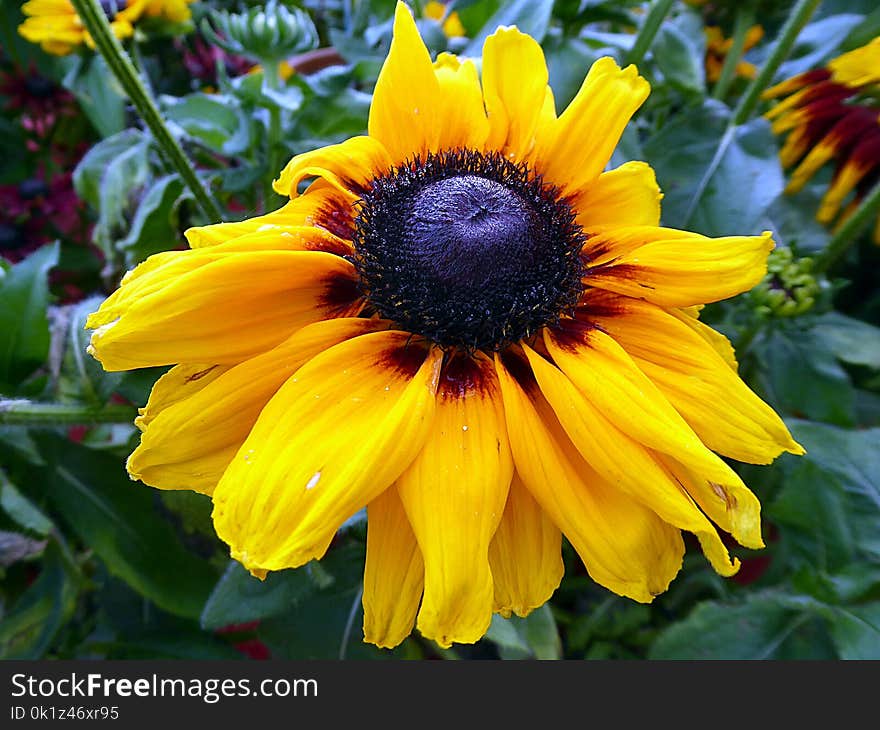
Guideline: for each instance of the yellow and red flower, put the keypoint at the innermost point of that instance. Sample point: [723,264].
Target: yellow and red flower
[464,323]
[831,114]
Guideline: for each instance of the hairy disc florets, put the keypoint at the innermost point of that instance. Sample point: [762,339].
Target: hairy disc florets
[468,249]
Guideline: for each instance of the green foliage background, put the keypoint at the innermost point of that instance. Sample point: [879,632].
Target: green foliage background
[94,565]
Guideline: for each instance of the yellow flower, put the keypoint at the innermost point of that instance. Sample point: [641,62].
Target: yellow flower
[465,325]
[55,25]
[717,48]
[452,26]
[831,114]
[176,11]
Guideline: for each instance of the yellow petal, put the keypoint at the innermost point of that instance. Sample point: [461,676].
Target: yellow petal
[626,196]
[727,416]
[858,67]
[233,307]
[675,268]
[624,464]
[454,494]
[324,206]
[194,422]
[405,112]
[335,435]
[348,166]
[716,340]
[514,87]
[460,104]
[394,575]
[624,546]
[601,369]
[573,152]
[525,555]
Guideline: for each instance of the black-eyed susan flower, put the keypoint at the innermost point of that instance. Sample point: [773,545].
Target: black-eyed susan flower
[718,46]
[462,323]
[56,27]
[832,114]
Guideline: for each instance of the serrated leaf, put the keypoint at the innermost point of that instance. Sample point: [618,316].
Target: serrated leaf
[24,327]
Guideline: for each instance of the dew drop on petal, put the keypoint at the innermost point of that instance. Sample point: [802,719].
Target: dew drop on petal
[313,482]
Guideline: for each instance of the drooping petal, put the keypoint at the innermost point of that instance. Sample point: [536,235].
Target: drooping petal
[573,151]
[603,372]
[625,546]
[675,268]
[624,464]
[218,308]
[333,438]
[727,416]
[514,88]
[525,555]
[348,166]
[454,494]
[405,112]
[190,438]
[691,317]
[626,196]
[394,574]
[324,206]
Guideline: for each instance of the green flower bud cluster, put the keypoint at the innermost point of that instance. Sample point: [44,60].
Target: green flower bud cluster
[268,34]
[789,288]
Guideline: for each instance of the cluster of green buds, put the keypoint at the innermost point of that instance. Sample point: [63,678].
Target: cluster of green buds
[268,34]
[789,289]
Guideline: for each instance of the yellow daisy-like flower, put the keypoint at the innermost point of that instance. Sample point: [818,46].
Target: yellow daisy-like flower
[465,325]
[832,114]
[452,26]
[717,48]
[56,27]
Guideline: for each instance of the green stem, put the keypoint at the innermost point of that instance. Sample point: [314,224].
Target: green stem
[15,412]
[798,18]
[653,20]
[745,16]
[95,22]
[273,140]
[787,37]
[848,234]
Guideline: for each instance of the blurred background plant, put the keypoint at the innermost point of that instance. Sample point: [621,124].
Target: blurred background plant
[93,565]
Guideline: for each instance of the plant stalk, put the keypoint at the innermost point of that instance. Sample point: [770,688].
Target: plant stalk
[108,45]
[22,412]
[745,16]
[847,235]
[653,20]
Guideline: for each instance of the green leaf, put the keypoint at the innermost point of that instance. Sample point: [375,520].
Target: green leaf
[27,631]
[532,17]
[855,631]
[21,509]
[24,327]
[568,60]
[534,636]
[851,340]
[817,43]
[213,119]
[118,520]
[155,226]
[239,598]
[98,92]
[83,377]
[755,629]
[800,375]
[746,181]
[679,55]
